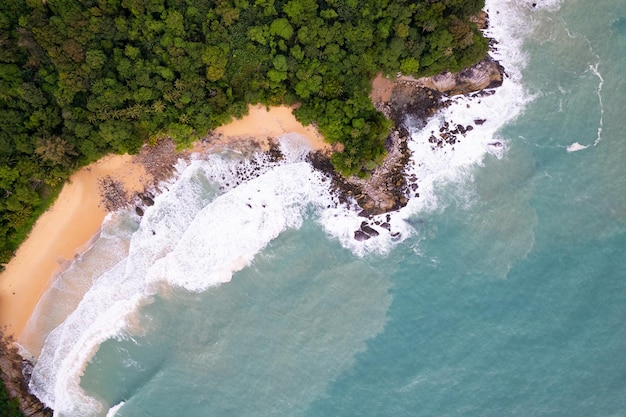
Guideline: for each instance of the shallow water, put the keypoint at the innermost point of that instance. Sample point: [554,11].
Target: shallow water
[504,294]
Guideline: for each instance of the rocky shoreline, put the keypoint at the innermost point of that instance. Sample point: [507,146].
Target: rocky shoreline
[387,189]
[411,101]
[15,374]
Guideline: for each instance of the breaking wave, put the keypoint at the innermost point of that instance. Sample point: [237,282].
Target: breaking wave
[222,210]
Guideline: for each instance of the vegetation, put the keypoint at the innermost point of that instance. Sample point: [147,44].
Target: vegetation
[82,78]
[8,406]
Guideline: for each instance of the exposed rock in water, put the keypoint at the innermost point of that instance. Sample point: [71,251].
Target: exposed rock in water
[360,236]
[369,230]
[146,199]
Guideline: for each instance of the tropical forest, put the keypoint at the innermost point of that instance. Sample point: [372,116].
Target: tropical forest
[80,79]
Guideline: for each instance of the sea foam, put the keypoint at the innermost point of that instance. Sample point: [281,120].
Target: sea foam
[228,232]
[220,211]
[476,118]
[209,222]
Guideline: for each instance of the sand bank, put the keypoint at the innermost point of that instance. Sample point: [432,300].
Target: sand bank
[75,218]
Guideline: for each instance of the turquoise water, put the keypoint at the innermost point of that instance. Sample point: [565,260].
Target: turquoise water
[505,294]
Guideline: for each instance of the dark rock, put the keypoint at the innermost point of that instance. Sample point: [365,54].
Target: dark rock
[147,200]
[15,373]
[139,211]
[369,230]
[361,236]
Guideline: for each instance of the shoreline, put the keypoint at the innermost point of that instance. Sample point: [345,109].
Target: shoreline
[62,232]
[73,221]
[385,191]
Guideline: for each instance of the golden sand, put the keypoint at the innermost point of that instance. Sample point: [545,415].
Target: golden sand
[75,218]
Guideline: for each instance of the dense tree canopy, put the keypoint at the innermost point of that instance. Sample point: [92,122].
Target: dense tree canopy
[81,78]
[8,407]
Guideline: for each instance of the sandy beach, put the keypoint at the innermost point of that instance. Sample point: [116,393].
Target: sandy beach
[260,124]
[58,235]
[75,218]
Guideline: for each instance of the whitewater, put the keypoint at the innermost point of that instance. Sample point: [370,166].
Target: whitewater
[242,290]
[217,214]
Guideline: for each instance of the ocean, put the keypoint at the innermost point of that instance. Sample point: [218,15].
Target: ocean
[499,291]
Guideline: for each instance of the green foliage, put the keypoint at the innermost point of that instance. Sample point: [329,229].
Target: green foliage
[8,407]
[82,78]
[281,27]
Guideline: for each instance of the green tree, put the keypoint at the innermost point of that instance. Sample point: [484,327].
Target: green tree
[54,149]
[281,27]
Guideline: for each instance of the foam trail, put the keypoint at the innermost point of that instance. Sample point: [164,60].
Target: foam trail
[70,286]
[113,410]
[594,69]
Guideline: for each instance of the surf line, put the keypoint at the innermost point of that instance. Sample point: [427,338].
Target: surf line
[594,69]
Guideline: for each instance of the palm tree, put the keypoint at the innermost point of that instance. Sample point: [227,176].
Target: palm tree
[54,149]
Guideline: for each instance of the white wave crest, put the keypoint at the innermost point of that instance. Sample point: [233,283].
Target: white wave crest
[219,213]
[113,410]
[574,147]
[228,232]
[194,236]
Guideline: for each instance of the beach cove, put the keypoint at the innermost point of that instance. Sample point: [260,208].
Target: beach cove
[497,289]
[55,248]
[74,220]
[80,210]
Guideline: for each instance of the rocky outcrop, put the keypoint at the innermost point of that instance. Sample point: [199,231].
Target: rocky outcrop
[485,74]
[408,99]
[15,373]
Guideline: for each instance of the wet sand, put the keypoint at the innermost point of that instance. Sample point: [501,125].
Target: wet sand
[58,235]
[75,218]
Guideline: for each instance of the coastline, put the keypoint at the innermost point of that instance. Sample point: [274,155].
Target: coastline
[58,235]
[384,192]
[75,218]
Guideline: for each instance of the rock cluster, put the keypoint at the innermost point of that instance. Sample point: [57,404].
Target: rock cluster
[15,373]
[448,134]
[412,101]
[486,74]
